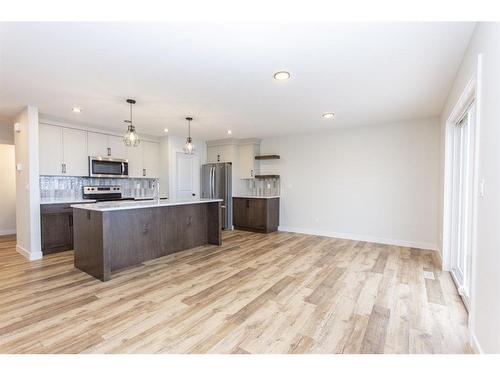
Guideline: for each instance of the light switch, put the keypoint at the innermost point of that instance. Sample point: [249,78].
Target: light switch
[481,188]
[17,127]
[19,167]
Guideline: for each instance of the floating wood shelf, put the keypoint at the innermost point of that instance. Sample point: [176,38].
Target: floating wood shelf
[266,157]
[267,176]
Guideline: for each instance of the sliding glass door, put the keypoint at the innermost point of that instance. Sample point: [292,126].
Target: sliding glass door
[462,201]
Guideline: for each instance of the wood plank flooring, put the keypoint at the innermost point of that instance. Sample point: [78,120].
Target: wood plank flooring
[276,293]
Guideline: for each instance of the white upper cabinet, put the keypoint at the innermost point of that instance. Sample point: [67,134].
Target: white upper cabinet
[248,167]
[221,153]
[151,159]
[212,154]
[98,144]
[117,148]
[144,160]
[75,152]
[51,150]
[135,162]
[106,145]
[63,151]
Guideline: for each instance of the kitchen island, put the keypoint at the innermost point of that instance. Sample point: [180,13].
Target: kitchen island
[109,236]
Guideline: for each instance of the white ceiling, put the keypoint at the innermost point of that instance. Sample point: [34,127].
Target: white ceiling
[222,74]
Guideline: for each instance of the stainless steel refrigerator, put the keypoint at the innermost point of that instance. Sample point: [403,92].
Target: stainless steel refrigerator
[216,183]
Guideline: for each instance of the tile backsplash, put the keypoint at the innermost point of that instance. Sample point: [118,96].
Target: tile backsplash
[57,187]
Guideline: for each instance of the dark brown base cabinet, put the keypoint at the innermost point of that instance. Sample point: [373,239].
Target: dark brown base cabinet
[56,227]
[112,240]
[256,214]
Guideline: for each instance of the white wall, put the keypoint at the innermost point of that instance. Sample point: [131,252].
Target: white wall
[27,185]
[7,190]
[485,299]
[377,183]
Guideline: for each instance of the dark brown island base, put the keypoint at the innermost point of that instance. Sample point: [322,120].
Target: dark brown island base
[114,235]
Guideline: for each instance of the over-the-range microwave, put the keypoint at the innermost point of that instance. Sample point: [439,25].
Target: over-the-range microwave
[100,166]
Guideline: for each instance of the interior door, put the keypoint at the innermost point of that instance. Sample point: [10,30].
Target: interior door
[187,176]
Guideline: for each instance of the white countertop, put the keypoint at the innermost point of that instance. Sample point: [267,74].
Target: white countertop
[130,205]
[256,196]
[66,200]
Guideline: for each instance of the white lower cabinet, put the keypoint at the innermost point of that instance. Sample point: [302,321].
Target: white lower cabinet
[63,151]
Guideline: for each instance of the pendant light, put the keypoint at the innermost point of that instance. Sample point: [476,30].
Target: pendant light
[189,147]
[131,139]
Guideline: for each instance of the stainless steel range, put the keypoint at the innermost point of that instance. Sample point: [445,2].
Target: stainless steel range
[104,193]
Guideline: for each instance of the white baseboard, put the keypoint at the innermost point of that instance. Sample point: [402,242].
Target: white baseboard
[28,254]
[4,232]
[475,344]
[357,237]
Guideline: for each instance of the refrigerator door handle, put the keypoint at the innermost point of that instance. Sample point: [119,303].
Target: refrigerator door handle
[212,182]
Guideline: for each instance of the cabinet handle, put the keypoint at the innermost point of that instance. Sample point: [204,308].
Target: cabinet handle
[144,172]
[218,157]
[248,203]
[63,168]
[251,172]
[70,218]
[109,151]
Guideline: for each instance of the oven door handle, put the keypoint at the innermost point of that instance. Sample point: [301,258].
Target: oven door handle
[123,168]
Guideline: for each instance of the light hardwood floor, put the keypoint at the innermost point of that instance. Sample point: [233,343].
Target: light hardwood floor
[276,293]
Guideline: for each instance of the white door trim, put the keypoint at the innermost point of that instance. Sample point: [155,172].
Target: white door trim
[471,92]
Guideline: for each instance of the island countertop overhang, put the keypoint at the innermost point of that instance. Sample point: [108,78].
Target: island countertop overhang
[131,205]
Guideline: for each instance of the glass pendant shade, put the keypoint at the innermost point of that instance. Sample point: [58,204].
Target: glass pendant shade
[189,147]
[131,139]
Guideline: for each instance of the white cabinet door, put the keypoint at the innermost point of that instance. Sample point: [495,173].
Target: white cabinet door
[212,152]
[135,161]
[117,147]
[225,153]
[97,144]
[51,150]
[151,163]
[247,161]
[75,152]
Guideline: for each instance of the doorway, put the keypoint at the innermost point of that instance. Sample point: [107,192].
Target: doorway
[462,200]
[187,175]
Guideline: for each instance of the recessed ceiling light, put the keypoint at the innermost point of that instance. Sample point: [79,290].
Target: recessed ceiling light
[281,75]
[165,130]
[76,109]
[328,115]
[229,132]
